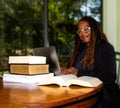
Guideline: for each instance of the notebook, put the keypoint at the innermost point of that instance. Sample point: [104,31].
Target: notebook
[51,58]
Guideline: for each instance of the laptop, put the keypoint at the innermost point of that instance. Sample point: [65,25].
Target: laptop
[51,58]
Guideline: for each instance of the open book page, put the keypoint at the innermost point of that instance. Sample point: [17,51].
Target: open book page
[86,81]
[60,80]
[67,80]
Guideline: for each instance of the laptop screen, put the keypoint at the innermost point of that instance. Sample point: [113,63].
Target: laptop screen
[51,58]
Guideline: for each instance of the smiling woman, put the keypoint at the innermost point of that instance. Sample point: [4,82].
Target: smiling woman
[94,56]
[84,31]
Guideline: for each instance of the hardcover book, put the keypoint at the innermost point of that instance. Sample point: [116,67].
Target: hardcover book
[27,60]
[29,69]
[29,79]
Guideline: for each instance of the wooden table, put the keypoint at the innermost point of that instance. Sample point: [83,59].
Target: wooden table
[18,95]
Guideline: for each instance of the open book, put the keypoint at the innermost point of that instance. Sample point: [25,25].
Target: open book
[67,80]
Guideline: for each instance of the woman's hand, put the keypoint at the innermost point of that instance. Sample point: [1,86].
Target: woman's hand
[71,70]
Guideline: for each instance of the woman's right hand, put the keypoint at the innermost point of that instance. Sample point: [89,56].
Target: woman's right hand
[71,70]
[63,71]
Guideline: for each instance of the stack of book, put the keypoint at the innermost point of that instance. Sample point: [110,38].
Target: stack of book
[27,69]
[28,65]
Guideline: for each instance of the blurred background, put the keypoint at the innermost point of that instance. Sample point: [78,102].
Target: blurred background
[28,24]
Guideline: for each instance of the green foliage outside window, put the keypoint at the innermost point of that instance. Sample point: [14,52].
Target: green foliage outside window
[22,24]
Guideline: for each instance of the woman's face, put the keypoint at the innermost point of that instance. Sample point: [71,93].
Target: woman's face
[84,31]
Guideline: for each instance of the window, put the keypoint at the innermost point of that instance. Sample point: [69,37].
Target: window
[62,18]
[22,24]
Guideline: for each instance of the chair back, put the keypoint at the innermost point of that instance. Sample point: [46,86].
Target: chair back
[117,54]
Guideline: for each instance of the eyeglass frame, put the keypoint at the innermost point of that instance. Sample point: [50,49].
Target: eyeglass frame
[83,30]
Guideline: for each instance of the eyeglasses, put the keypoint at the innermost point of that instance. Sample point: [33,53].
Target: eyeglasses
[86,29]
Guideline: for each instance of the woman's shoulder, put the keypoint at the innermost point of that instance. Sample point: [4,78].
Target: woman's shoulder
[104,46]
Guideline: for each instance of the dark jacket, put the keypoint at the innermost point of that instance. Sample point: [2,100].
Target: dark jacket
[105,69]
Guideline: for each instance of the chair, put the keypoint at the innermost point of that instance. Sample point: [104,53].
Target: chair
[117,54]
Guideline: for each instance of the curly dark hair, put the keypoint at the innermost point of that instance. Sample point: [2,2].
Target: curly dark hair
[96,33]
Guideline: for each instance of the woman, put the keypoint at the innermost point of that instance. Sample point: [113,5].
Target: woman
[94,56]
